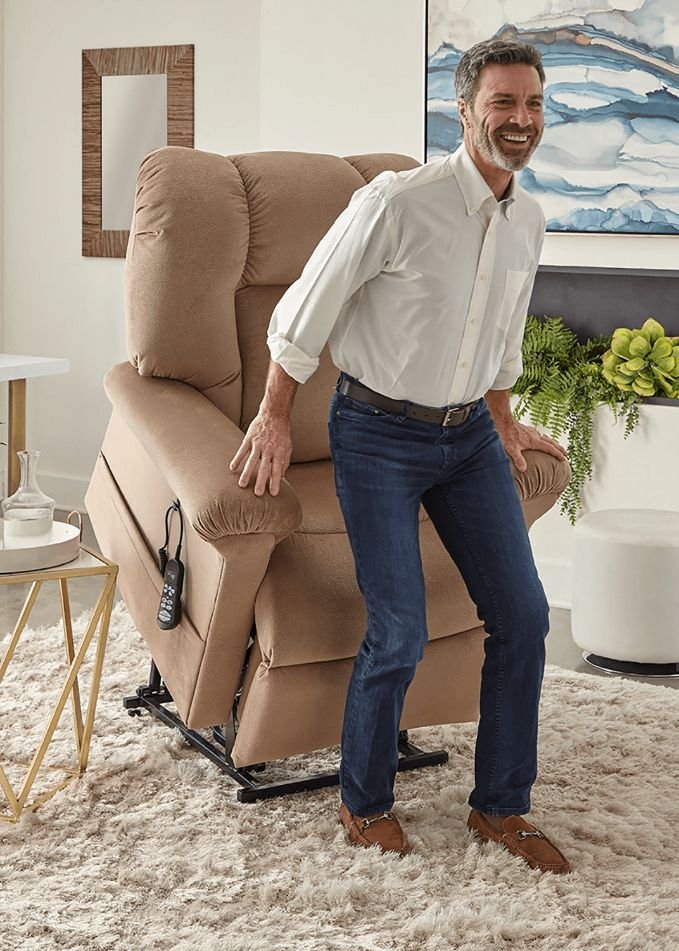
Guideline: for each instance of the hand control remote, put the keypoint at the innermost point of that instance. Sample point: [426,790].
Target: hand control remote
[170,609]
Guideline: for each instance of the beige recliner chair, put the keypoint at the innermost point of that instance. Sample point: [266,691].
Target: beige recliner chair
[273,617]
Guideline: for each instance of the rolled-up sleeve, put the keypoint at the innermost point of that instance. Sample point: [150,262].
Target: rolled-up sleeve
[355,249]
[511,367]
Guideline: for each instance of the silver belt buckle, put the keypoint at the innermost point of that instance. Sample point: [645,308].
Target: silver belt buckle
[449,418]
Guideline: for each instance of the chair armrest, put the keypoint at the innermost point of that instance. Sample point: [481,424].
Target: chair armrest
[544,475]
[192,442]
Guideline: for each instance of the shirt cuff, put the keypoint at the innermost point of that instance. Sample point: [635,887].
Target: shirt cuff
[296,363]
[508,375]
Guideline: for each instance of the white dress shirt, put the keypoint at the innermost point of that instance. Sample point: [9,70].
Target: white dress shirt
[420,287]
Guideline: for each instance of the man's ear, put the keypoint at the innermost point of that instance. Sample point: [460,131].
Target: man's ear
[462,110]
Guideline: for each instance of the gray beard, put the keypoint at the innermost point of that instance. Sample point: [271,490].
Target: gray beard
[492,152]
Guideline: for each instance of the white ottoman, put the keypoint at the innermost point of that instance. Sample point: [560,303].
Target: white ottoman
[625,594]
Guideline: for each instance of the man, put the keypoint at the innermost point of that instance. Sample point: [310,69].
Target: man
[421,288]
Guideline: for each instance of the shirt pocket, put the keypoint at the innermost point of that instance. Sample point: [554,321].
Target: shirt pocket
[514,284]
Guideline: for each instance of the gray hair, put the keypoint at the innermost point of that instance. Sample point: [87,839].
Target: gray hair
[504,52]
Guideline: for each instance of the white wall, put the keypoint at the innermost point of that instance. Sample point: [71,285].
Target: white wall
[58,303]
[342,77]
[276,74]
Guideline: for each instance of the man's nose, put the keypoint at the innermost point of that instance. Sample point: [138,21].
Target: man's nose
[522,116]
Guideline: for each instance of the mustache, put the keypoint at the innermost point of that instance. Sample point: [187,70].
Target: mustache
[514,130]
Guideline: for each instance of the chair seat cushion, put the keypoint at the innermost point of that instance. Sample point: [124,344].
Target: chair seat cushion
[309,607]
[314,483]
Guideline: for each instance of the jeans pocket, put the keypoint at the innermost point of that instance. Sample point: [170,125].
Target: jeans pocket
[350,408]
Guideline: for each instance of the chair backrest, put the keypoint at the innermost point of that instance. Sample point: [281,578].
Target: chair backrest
[214,243]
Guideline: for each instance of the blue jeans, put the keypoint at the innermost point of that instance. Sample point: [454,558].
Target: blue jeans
[386,465]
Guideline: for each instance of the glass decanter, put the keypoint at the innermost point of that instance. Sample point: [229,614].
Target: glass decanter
[29,511]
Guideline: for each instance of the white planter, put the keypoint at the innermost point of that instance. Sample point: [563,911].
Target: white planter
[637,472]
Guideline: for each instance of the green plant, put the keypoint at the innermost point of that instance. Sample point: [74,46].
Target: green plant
[643,360]
[561,386]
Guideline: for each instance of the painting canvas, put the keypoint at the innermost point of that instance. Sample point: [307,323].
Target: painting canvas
[609,157]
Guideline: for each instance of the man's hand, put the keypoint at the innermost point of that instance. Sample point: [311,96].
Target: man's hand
[268,447]
[267,440]
[516,437]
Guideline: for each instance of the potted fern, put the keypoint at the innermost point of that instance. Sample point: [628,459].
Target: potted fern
[564,381]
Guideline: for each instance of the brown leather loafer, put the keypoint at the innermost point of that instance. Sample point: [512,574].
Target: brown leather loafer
[380,828]
[522,839]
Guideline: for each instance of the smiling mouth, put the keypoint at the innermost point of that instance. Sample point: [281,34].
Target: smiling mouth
[512,137]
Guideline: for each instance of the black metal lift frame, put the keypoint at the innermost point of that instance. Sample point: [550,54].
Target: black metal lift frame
[155,695]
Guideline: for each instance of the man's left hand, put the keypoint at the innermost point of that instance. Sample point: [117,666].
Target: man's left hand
[516,437]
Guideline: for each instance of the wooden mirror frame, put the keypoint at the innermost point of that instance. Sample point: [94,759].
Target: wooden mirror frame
[177,63]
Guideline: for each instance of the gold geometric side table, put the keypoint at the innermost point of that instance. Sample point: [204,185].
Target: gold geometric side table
[89,562]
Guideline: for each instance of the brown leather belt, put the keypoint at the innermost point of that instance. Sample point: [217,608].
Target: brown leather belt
[428,414]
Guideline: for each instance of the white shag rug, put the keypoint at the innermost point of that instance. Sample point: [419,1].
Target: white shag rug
[151,850]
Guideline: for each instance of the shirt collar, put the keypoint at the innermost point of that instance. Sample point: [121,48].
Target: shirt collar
[475,189]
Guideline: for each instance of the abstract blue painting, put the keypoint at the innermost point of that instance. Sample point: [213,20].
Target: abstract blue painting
[609,157]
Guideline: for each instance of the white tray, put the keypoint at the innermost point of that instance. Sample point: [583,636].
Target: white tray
[41,551]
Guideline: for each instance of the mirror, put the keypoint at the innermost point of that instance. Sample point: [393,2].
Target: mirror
[134,100]
[133,123]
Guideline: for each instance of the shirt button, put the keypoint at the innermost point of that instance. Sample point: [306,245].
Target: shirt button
[482,277]
[473,321]
[464,364]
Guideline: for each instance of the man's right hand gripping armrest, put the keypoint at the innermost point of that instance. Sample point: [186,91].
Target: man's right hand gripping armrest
[267,445]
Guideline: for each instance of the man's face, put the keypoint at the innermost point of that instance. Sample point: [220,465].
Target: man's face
[505,124]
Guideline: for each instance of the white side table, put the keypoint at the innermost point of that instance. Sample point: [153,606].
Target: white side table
[16,369]
[625,600]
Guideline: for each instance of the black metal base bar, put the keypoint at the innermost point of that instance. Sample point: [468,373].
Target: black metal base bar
[153,696]
[630,667]
[414,759]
